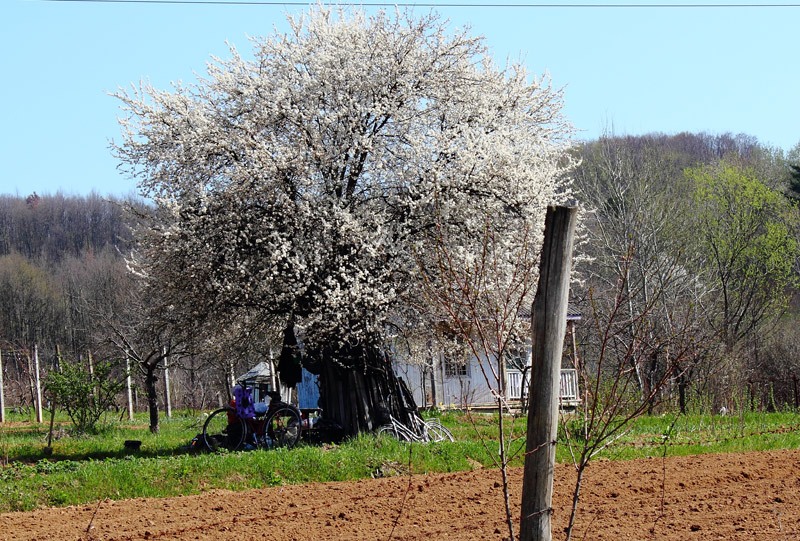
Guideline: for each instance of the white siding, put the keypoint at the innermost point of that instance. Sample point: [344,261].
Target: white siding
[471,389]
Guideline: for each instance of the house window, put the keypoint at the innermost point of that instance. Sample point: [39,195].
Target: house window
[455,367]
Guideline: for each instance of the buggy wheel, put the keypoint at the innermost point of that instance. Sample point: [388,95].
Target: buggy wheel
[218,433]
[436,432]
[283,427]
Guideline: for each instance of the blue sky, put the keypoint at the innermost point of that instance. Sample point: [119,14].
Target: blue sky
[634,69]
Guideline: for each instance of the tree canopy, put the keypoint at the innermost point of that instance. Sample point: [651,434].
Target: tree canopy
[296,188]
[749,233]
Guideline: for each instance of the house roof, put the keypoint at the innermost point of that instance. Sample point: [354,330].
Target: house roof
[260,373]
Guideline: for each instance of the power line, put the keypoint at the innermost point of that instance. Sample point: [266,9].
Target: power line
[425,4]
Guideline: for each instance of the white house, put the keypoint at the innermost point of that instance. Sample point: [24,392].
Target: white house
[463,384]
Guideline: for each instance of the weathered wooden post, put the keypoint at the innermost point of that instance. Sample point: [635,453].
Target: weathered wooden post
[167,399]
[2,397]
[273,381]
[38,384]
[548,328]
[90,362]
[128,386]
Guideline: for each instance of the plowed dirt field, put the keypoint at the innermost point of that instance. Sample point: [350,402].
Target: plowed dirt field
[730,496]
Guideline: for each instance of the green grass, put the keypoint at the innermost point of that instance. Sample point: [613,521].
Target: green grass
[675,435]
[87,468]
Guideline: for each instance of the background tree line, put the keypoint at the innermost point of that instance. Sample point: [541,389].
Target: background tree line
[66,289]
[701,230]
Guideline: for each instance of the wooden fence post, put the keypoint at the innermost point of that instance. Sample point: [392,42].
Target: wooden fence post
[2,396]
[167,399]
[38,384]
[128,386]
[273,381]
[548,329]
[91,365]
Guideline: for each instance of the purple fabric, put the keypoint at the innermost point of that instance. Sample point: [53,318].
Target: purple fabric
[244,402]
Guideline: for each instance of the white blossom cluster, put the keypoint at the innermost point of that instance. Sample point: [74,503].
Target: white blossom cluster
[306,183]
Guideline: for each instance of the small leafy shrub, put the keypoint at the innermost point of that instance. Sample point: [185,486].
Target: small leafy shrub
[83,395]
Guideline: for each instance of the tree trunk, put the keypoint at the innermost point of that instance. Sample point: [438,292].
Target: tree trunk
[682,393]
[576,495]
[150,380]
[651,398]
[362,394]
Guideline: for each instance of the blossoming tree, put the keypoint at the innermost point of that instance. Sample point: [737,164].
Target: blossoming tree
[297,187]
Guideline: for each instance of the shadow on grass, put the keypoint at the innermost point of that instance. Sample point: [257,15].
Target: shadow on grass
[27,443]
[33,455]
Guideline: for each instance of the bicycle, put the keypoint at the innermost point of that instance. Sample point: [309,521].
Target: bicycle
[420,431]
[279,425]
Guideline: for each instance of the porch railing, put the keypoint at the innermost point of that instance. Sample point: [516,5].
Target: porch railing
[569,392]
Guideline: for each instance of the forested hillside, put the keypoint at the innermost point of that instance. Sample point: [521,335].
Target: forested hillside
[50,228]
[56,252]
[67,294]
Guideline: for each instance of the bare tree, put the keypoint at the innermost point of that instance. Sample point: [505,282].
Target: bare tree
[639,234]
[480,300]
[616,343]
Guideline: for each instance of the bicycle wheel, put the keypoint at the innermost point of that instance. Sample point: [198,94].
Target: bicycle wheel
[283,427]
[436,432]
[218,433]
[398,432]
[390,431]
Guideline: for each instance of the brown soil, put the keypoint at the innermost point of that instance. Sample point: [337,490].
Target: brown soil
[731,496]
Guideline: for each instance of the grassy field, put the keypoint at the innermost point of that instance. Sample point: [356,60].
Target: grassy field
[88,468]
